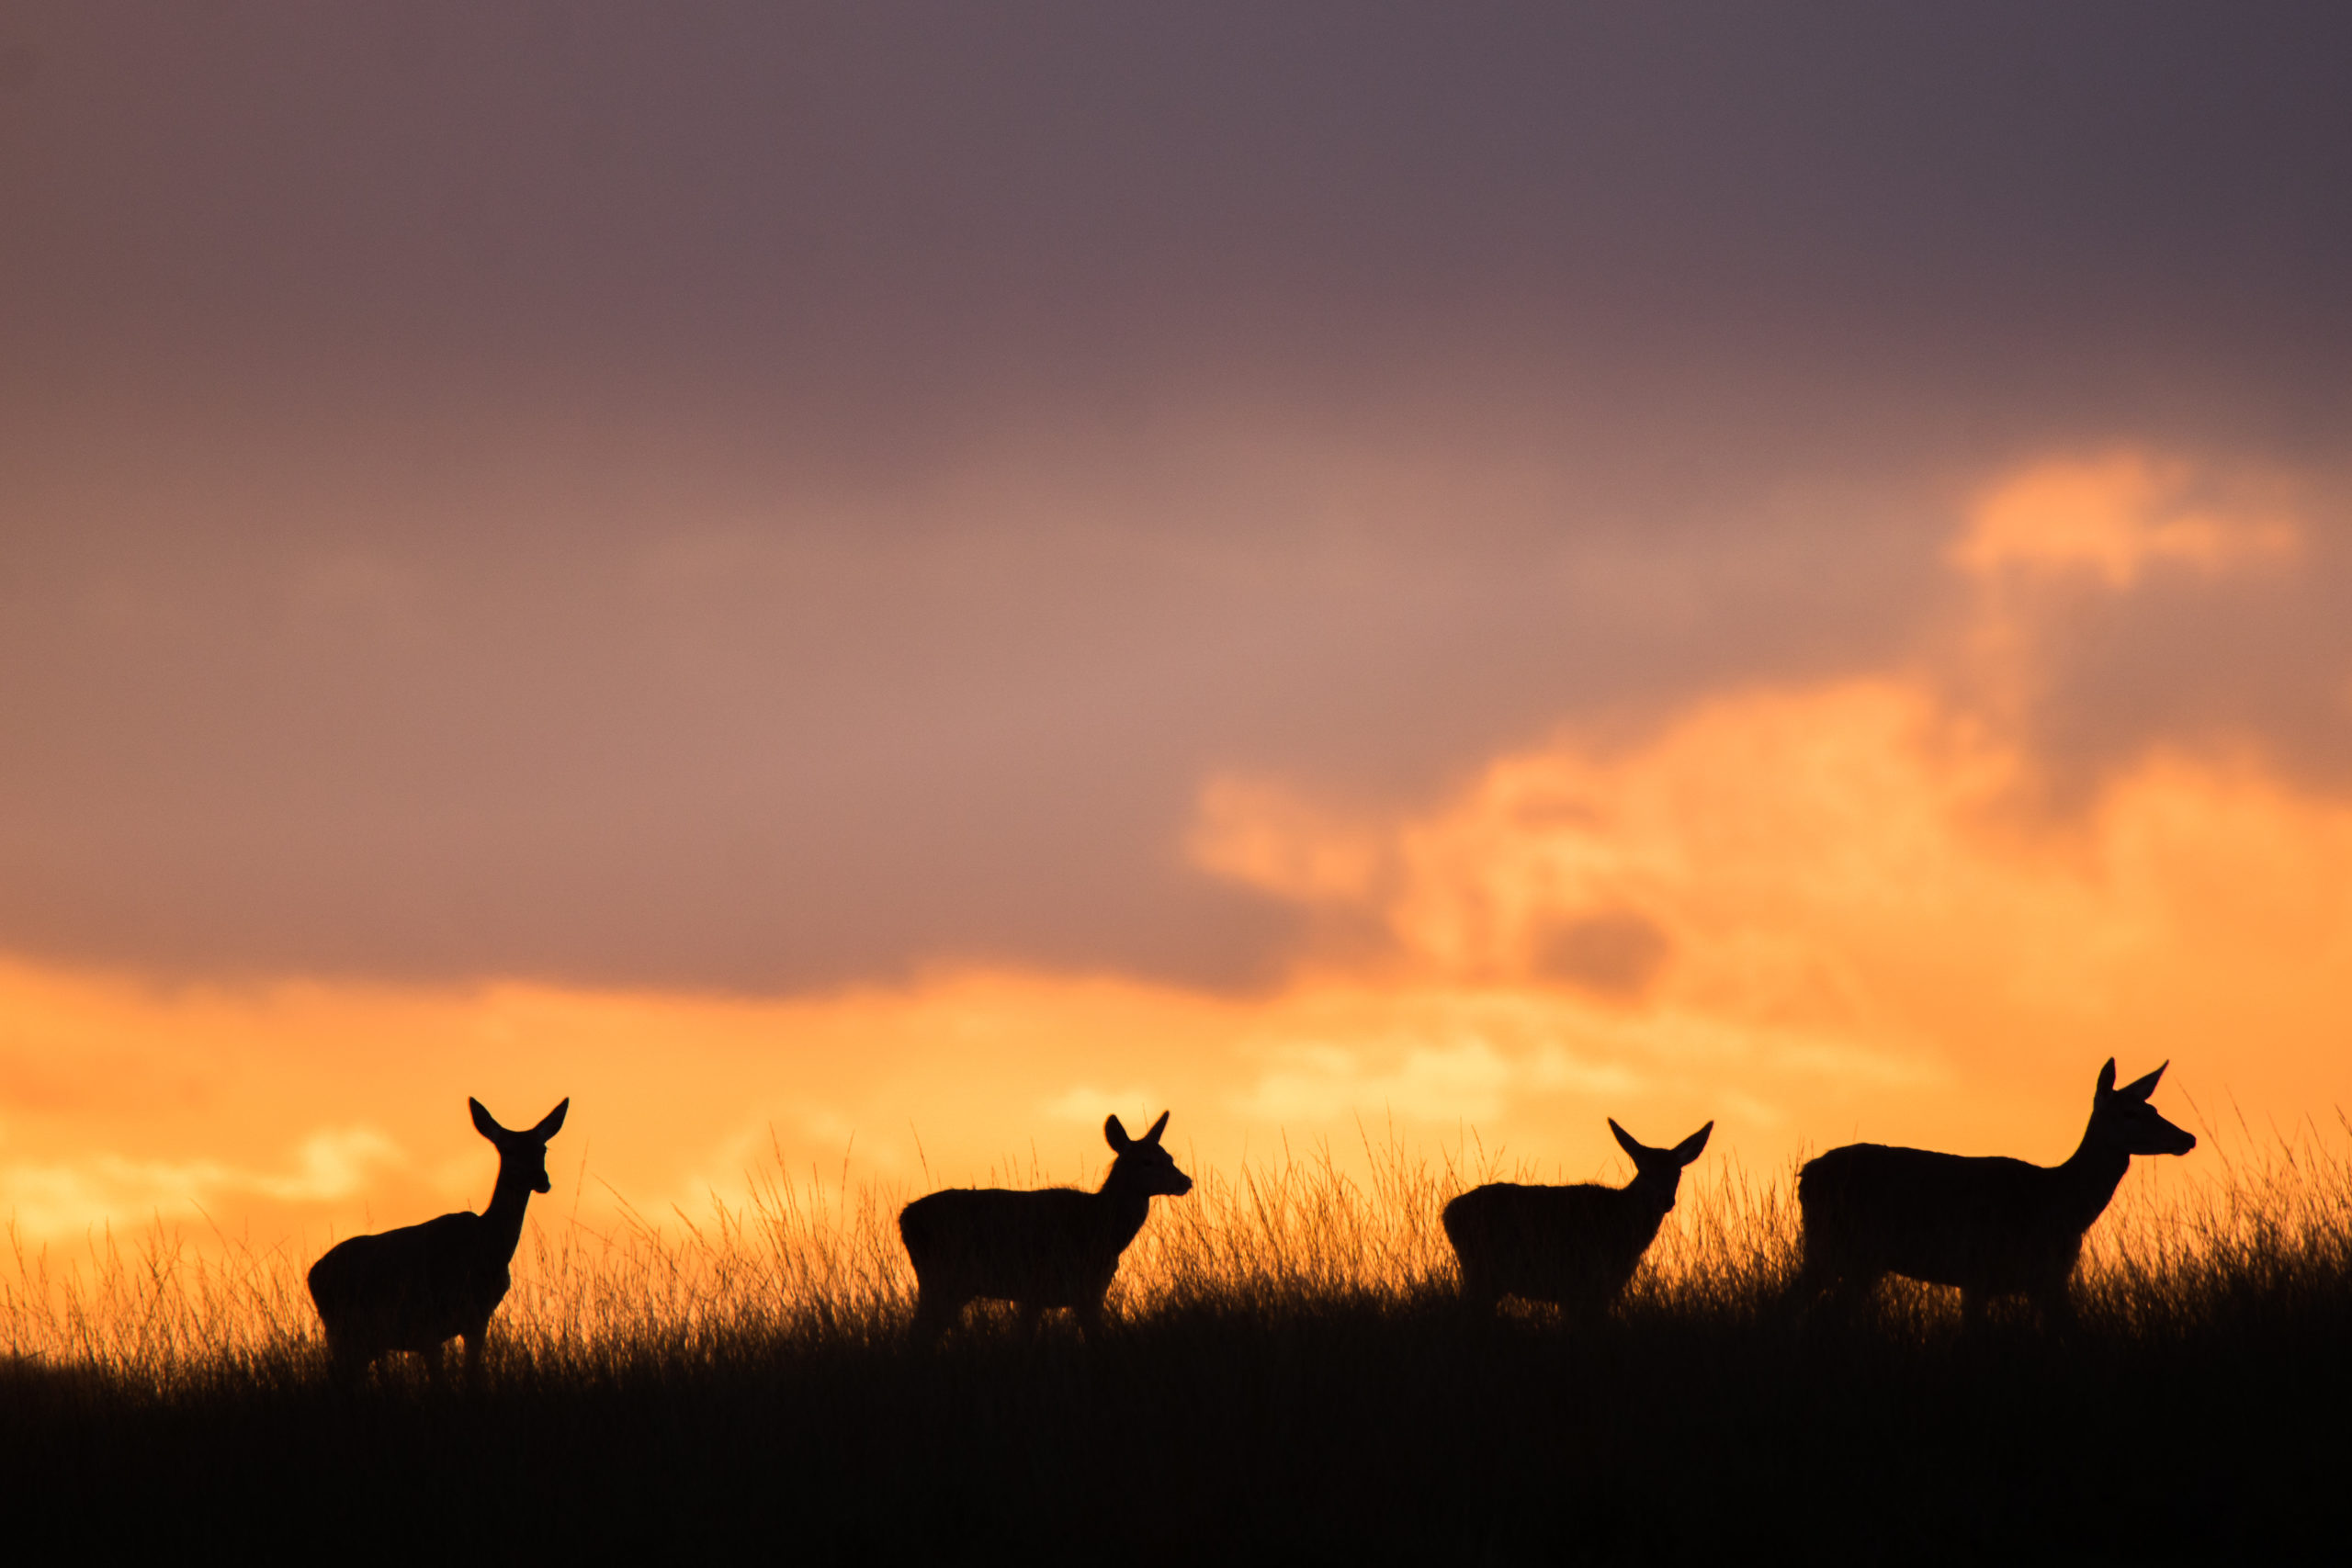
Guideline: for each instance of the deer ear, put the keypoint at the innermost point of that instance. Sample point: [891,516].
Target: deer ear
[554,1123]
[2141,1088]
[484,1123]
[1157,1128]
[2107,1077]
[1625,1140]
[1114,1134]
[1688,1149]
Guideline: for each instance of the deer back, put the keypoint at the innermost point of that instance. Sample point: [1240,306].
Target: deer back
[1551,1243]
[1051,1247]
[1058,1246]
[416,1287]
[1578,1244]
[412,1288]
[1986,1224]
[1980,1223]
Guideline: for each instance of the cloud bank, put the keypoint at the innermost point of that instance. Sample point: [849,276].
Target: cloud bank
[1487,562]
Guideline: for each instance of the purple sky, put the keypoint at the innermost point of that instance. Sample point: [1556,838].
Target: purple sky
[764,497]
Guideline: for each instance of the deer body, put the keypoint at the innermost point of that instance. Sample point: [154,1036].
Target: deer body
[1059,1248]
[1989,1226]
[418,1287]
[1573,1246]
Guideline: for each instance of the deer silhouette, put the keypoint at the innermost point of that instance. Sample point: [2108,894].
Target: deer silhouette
[1057,1247]
[420,1286]
[1991,1225]
[1574,1246]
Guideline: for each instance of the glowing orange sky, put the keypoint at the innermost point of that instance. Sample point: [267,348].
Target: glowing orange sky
[874,583]
[1809,912]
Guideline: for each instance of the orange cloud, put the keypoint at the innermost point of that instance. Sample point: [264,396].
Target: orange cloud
[2113,517]
[1262,835]
[1843,933]
[1838,903]
[1810,913]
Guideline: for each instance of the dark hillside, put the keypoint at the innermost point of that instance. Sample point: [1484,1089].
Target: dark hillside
[1241,1412]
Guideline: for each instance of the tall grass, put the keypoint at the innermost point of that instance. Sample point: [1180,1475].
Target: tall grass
[1291,1378]
[158,1309]
[2267,1238]
[807,1263]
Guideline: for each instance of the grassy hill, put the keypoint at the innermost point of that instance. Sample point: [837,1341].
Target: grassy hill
[1289,1377]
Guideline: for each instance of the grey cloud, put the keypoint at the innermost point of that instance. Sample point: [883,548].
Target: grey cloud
[886,210]
[2256,662]
[763,496]
[1614,956]
[752,757]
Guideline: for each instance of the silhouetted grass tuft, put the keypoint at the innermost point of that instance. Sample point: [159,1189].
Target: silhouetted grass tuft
[1290,1374]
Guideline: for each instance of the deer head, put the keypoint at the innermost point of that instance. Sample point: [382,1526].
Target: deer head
[1142,1163]
[2123,1118]
[523,1154]
[1658,1172]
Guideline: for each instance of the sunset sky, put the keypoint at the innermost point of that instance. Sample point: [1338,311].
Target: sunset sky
[875,583]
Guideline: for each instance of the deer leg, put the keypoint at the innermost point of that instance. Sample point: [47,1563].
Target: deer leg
[1815,1276]
[475,1341]
[1847,1294]
[1798,1295]
[346,1363]
[2057,1304]
[1090,1321]
[1585,1309]
[1973,1307]
[1479,1291]
[934,1316]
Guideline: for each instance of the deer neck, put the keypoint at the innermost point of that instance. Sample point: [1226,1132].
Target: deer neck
[2091,1175]
[1122,1206]
[1654,1196]
[504,1215]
